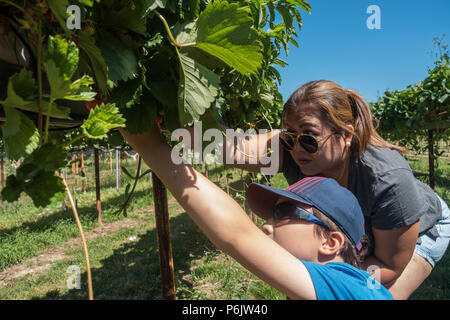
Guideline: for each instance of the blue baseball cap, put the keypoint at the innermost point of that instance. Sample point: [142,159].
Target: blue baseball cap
[325,194]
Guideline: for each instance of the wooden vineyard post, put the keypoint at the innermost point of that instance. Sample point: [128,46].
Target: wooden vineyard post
[431,158]
[76,170]
[163,235]
[97,186]
[110,161]
[73,167]
[2,168]
[83,170]
[117,170]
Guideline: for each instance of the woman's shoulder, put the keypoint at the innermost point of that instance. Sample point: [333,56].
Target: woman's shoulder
[381,161]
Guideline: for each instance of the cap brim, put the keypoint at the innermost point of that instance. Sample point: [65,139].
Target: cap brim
[262,198]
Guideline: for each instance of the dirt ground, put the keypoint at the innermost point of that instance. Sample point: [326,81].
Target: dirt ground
[38,264]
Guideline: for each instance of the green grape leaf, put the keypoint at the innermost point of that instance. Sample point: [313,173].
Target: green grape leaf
[212,118]
[88,3]
[151,5]
[21,94]
[60,61]
[126,92]
[59,10]
[102,119]
[93,54]
[13,188]
[80,90]
[115,139]
[45,189]
[139,117]
[187,33]
[225,31]
[122,62]
[64,54]
[23,85]
[59,87]
[164,91]
[198,87]
[49,157]
[36,177]
[22,91]
[126,18]
[20,135]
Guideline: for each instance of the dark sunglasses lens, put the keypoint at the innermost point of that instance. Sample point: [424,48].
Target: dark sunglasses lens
[287,141]
[309,143]
[283,210]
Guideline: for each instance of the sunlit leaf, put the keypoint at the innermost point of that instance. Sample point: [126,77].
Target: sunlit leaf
[197,89]
[20,135]
[102,119]
[225,31]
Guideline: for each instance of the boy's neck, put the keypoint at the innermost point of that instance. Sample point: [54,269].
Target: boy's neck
[324,259]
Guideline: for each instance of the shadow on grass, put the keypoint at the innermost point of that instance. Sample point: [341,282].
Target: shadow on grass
[132,271]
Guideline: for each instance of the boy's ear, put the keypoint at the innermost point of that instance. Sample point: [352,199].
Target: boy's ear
[332,244]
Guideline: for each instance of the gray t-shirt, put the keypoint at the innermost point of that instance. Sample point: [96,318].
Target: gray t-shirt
[388,193]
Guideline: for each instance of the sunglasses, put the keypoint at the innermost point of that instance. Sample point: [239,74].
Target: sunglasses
[308,142]
[288,210]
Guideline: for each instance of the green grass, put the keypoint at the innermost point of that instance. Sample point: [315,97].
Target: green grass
[26,231]
[124,269]
[442,174]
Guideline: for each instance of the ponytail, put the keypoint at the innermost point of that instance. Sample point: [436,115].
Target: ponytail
[363,122]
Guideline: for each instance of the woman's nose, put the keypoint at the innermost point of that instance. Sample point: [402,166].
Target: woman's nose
[268,227]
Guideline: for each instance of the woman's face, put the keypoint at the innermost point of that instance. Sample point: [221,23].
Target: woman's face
[329,159]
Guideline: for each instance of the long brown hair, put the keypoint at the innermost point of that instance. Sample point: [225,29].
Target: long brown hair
[340,107]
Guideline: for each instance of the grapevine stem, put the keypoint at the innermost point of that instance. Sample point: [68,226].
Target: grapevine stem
[267,121]
[13,4]
[39,75]
[74,140]
[47,122]
[138,176]
[172,39]
[83,239]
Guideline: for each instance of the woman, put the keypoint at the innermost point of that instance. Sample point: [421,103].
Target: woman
[328,131]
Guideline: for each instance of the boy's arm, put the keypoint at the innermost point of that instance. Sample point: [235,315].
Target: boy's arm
[222,220]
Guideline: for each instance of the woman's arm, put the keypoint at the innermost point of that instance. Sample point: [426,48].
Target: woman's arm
[222,220]
[393,251]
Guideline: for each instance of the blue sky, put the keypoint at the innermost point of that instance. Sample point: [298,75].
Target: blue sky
[335,44]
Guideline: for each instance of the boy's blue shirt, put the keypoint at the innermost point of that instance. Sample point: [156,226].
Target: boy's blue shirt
[342,281]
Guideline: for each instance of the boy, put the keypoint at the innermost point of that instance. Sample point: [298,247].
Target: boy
[294,256]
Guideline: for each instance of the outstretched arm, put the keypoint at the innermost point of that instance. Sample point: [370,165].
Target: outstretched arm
[247,150]
[222,220]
